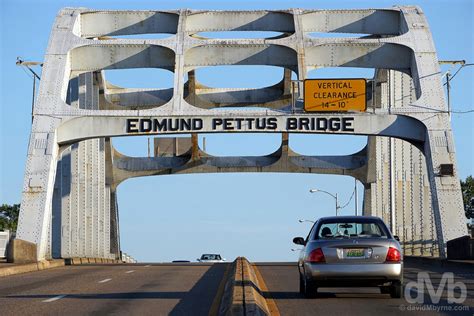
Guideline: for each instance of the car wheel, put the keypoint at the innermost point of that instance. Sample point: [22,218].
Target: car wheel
[301,285]
[385,289]
[309,288]
[396,290]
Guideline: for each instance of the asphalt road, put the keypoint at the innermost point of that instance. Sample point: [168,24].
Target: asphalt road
[283,287]
[193,289]
[156,289]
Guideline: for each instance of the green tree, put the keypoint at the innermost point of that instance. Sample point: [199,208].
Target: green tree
[9,216]
[467,187]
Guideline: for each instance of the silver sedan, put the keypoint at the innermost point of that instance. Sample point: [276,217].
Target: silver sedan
[347,251]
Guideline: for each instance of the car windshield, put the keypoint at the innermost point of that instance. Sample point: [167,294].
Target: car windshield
[210,257]
[336,229]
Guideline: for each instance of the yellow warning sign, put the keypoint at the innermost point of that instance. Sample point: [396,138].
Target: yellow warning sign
[334,95]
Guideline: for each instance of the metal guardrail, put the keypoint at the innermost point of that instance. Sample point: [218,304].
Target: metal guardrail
[127,258]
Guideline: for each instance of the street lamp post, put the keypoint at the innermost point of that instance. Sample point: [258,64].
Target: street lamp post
[334,196]
[305,220]
[355,197]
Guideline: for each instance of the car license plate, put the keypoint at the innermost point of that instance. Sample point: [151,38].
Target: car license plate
[354,253]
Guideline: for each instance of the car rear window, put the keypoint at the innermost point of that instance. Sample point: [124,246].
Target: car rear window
[338,229]
[210,257]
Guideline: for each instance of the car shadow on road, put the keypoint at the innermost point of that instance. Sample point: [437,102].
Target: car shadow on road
[321,295]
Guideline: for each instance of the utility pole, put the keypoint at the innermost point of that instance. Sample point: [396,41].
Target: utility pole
[148,147]
[448,76]
[448,86]
[27,64]
[392,186]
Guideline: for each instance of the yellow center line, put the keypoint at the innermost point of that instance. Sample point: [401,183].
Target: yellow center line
[263,287]
[214,311]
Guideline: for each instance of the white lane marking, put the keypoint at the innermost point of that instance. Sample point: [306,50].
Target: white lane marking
[131,271]
[49,300]
[105,280]
[147,266]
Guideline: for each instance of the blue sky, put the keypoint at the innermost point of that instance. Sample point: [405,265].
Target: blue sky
[254,215]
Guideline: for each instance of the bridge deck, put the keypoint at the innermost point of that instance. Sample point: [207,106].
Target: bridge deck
[195,289]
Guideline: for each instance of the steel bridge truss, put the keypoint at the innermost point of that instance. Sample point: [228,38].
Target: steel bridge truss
[69,203]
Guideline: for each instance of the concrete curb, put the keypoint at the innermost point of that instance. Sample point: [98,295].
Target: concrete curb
[30,267]
[49,264]
[242,293]
[79,261]
[226,304]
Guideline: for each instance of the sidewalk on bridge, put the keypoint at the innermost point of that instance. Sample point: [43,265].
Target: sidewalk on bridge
[4,263]
[7,268]
[442,263]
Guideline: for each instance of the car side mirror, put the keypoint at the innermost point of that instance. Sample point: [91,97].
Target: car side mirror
[198,260]
[299,241]
[396,238]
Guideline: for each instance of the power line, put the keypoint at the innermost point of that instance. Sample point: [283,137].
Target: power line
[28,74]
[431,110]
[457,71]
[462,112]
[350,199]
